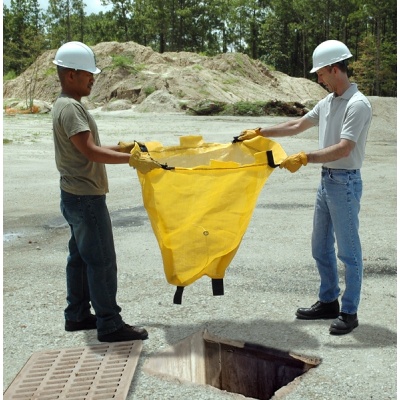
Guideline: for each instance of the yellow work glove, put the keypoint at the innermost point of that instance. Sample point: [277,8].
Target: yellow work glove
[294,162]
[142,161]
[249,134]
[126,147]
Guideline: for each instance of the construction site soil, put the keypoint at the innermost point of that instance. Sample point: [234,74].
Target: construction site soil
[136,75]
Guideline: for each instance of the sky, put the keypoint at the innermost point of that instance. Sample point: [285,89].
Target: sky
[92,6]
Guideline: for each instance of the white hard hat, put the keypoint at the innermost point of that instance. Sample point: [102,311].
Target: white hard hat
[328,53]
[76,55]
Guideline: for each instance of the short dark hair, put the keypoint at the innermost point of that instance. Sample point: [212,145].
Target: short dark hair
[62,71]
[342,65]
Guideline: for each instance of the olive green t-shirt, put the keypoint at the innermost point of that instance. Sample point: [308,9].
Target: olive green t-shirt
[78,175]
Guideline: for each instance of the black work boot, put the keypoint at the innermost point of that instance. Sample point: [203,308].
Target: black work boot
[319,310]
[345,323]
[86,324]
[124,334]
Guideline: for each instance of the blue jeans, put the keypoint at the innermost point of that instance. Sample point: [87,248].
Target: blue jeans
[91,264]
[336,215]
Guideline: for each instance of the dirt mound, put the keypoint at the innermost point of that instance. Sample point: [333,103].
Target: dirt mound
[133,72]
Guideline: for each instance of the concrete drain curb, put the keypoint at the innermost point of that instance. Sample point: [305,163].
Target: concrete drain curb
[90,372]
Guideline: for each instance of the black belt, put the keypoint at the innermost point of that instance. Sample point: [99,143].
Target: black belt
[339,169]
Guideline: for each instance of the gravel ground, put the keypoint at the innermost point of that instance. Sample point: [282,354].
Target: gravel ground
[271,276]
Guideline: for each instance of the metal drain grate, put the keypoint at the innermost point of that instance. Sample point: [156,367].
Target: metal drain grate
[90,372]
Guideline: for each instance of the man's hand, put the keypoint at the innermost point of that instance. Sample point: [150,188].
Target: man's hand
[249,134]
[294,162]
[142,161]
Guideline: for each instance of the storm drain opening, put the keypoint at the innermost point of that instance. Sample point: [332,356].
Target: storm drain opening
[247,369]
[80,373]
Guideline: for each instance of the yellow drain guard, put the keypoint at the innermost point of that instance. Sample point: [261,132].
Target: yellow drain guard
[201,207]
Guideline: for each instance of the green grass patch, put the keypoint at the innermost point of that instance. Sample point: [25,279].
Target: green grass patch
[50,71]
[125,62]
[204,92]
[230,81]
[9,76]
[245,108]
[148,90]
[122,61]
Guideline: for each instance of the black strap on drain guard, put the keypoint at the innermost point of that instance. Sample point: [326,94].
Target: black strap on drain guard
[217,289]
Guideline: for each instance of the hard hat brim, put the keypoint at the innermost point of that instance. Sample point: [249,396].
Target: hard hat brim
[315,69]
[95,72]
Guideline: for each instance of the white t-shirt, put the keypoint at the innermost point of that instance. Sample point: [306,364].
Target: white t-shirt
[78,175]
[343,117]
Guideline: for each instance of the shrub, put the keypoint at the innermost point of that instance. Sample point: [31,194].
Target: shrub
[9,76]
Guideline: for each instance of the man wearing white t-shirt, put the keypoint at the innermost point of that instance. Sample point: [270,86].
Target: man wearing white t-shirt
[343,118]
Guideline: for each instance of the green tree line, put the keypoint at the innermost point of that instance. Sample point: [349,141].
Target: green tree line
[281,33]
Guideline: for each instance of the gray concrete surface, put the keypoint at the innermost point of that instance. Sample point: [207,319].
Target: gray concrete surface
[271,276]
